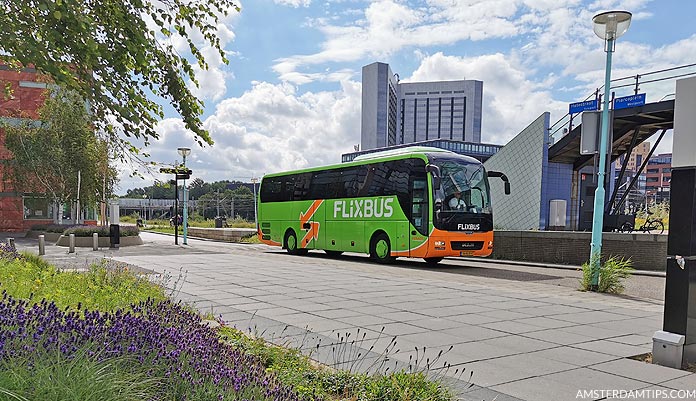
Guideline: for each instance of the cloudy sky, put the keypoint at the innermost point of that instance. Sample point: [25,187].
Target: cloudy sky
[290,96]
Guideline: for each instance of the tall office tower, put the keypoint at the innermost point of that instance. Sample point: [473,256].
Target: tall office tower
[395,113]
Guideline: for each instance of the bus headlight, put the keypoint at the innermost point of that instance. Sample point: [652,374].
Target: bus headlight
[439,243]
[490,244]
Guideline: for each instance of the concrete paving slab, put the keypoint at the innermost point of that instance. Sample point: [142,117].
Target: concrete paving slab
[432,323]
[638,370]
[556,336]
[613,348]
[567,385]
[519,344]
[632,339]
[512,327]
[687,382]
[397,328]
[545,322]
[494,372]
[573,356]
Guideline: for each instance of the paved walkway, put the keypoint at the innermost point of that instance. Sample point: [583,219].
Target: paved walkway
[523,340]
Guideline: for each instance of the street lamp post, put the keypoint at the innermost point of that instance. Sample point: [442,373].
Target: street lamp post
[608,26]
[254,181]
[185,152]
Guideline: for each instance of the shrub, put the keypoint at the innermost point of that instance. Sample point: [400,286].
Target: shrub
[39,227]
[103,231]
[611,275]
[102,287]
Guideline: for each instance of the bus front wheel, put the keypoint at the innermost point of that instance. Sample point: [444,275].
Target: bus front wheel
[380,249]
[433,261]
[292,245]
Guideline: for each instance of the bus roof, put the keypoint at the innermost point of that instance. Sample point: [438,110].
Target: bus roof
[385,155]
[400,151]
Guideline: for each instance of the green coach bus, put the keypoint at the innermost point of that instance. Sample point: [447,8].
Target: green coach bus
[413,202]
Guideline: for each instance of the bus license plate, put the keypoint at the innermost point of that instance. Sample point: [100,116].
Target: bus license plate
[466,253]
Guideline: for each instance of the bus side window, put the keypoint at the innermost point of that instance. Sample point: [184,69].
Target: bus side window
[302,186]
[270,190]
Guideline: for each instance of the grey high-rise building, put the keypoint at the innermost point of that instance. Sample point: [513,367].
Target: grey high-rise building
[395,113]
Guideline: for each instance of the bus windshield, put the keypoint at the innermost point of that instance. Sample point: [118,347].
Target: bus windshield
[464,186]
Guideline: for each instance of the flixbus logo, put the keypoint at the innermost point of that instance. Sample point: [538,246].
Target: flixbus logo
[366,208]
[468,227]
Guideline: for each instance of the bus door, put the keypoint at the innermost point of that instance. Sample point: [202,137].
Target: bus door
[419,215]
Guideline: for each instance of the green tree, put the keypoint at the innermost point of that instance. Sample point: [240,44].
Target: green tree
[49,153]
[116,54]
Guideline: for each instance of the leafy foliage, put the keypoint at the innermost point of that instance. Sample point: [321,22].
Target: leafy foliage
[48,156]
[116,53]
[103,287]
[103,231]
[611,275]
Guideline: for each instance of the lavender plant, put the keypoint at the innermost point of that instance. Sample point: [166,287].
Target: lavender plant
[163,339]
[10,253]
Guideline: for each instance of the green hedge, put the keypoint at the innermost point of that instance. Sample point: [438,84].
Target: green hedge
[103,231]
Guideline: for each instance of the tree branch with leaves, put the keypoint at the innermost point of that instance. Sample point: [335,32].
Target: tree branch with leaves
[117,54]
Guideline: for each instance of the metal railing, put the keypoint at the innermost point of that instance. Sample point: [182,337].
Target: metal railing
[624,86]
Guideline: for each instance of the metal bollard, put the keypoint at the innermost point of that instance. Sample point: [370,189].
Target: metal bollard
[11,243]
[42,245]
[72,243]
[95,241]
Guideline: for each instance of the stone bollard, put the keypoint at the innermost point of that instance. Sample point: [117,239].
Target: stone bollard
[42,245]
[72,243]
[11,243]
[95,241]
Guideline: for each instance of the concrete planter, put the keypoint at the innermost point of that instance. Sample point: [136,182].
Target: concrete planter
[221,234]
[104,242]
[49,237]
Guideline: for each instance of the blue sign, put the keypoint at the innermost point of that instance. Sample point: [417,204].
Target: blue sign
[627,102]
[575,108]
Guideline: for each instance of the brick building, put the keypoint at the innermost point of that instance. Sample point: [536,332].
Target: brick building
[658,174]
[20,211]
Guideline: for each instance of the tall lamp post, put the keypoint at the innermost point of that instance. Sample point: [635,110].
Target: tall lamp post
[185,152]
[254,180]
[608,26]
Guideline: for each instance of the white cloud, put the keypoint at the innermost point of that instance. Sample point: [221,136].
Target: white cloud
[267,129]
[387,26]
[294,3]
[511,99]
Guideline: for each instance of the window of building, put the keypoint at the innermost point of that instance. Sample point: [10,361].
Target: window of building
[667,170]
[37,208]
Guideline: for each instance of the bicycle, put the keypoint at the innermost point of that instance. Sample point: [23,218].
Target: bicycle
[652,225]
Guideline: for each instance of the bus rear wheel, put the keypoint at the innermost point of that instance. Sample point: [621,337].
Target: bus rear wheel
[433,261]
[292,245]
[380,249]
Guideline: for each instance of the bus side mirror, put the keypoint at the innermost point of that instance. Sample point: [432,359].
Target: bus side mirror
[503,177]
[435,171]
